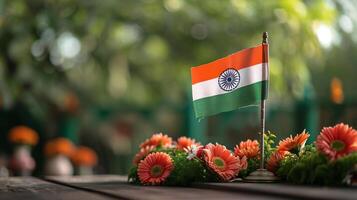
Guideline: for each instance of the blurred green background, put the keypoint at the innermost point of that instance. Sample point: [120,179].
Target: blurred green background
[108,74]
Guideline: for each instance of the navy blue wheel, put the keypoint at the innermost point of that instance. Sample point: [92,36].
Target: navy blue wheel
[229,79]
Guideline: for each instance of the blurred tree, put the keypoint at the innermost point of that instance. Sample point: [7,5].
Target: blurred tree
[140,51]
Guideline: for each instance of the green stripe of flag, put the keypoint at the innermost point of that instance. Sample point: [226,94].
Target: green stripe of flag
[244,96]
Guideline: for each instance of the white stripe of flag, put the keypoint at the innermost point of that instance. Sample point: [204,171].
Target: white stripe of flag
[248,76]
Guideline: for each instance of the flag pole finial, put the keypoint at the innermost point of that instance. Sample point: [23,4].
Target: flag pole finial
[265,37]
[262,175]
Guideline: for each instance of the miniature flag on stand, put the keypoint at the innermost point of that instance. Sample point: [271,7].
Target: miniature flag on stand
[235,81]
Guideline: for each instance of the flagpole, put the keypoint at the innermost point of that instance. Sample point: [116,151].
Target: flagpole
[264,92]
[262,175]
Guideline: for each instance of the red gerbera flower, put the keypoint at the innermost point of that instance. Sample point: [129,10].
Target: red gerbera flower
[248,148]
[185,142]
[156,140]
[337,141]
[222,161]
[155,168]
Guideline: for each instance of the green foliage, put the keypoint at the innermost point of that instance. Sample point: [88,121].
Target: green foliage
[286,165]
[186,171]
[253,164]
[343,165]
[311,167]
[269,143]
[133,175]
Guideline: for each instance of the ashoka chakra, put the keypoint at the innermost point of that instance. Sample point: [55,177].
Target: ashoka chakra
[229,79]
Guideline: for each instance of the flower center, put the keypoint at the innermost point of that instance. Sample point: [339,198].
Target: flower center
[156,171]
[295,150]
[219,163]
[338,145]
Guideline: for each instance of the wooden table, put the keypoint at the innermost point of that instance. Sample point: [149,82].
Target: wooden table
[115,187]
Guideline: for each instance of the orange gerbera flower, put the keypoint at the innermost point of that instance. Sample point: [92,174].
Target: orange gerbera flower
[142,153]
[155,168]
[337,141]
[248,148]
[222,161]
[156,140]
[293,144]
[59,146]
[274,160]
[84,156]
[185,142]
[23,135]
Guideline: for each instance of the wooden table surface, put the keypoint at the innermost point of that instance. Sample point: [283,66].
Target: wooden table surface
[115,187]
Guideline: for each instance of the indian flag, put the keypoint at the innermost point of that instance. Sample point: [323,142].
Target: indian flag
[235,81]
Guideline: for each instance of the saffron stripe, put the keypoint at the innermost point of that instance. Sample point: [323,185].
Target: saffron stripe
[238,60]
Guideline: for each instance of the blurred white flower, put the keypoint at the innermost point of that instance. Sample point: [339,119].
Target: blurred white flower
[192,151]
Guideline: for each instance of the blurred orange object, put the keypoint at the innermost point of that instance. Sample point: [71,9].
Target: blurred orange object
[71,102]
[336,91]
[84,156]
[23,135]
[59,146]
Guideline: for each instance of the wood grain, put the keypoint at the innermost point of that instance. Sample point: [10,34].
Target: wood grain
[32,188]
[285,190]
[118,187]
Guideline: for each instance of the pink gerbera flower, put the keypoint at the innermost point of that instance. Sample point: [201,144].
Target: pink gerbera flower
[156,140]
[337,141]
[248,148]
[155,168]
[274,160]
[184,142]
[243,163]
[222,161]
[142,153]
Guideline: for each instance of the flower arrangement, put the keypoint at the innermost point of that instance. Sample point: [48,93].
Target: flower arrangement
[325,162]
[23,135]
[160,161]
